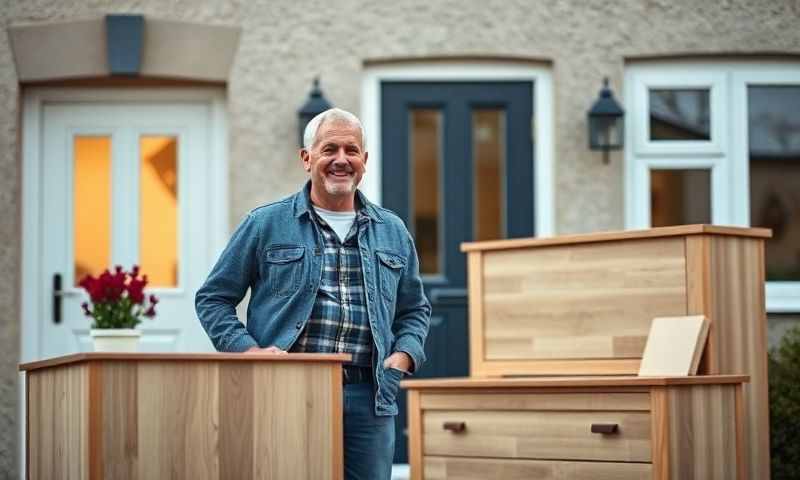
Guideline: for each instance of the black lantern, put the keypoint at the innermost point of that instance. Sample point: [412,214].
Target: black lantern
[315,105]
[606,123]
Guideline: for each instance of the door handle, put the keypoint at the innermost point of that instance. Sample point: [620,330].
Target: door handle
[448,295]
[58,293]
[455,427]
[605,428]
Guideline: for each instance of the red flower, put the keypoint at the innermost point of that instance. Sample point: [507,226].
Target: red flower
[122,297]
[136,290]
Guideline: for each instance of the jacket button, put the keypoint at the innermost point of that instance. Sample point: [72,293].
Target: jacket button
[299,325]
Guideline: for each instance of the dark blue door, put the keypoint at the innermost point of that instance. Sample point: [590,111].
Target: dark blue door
[457,161]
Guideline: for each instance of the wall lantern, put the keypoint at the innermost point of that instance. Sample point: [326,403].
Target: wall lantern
[316,104]
[606,123]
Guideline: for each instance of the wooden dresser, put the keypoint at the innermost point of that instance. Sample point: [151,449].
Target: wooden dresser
[582,305]
[577,428]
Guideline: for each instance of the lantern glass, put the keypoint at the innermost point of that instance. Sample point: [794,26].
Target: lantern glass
[606,132]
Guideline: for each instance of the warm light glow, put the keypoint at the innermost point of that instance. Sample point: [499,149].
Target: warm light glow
[158,242]
[92,205]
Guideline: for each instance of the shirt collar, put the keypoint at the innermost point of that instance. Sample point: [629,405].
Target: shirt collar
[364,208]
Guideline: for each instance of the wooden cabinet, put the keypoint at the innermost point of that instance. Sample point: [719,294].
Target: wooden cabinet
[566,428]
[582,305]
[193,416]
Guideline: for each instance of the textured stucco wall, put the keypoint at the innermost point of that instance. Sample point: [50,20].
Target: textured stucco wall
[285,43]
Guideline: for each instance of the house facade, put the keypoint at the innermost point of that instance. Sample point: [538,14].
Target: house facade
[142,132]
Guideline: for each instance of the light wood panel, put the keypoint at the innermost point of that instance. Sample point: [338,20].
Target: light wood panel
[58,429]
[552,383]
[659,429]
[197,419]
[333,358]
[178,414]
[288,425]
[699,294]
[449,468]
[580,301]
[738,308]
[117,413]
[236,428]
[475,298]
[543,401]
[702,432]
[661,232]
[538,435]
[674,346]
[415,434]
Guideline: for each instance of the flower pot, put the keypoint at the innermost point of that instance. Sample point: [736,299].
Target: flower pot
[115,339]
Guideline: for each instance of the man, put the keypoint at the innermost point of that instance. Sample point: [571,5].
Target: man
[328,272]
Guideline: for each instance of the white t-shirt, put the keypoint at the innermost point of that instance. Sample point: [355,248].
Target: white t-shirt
[340,222]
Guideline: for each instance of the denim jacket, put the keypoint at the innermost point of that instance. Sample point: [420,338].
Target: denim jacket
[276,251]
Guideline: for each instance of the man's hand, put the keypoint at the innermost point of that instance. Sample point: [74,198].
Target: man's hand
[273,350]
[400,361]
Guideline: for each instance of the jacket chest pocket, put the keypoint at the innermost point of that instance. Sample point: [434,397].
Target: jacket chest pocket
[390,269]
[284,265]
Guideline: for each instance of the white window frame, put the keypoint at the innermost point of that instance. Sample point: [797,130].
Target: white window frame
[726,154]
[478,71]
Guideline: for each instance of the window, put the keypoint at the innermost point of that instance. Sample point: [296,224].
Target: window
[683,167]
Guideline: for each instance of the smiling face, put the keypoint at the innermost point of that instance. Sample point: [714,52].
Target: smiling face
[336,162]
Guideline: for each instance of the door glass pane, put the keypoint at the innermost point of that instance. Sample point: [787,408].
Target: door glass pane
[488,147]
[680,197]
[680,114]
[426,154]
[774,139]
[92,205]
[158,241]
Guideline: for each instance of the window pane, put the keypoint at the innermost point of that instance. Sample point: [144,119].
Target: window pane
[426,134]
[680,197]
[774,138]
[92,205]
[158,254]
[488,147]
[680,114]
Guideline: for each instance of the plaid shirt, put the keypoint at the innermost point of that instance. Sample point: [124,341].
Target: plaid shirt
[338,322]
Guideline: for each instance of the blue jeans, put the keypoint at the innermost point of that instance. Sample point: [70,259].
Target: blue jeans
[368,438]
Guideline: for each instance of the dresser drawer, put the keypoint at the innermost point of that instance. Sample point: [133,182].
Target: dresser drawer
[454,468]
[535,434]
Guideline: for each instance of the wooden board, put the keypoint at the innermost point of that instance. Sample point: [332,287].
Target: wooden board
[197,419]
[579,301]
[674,346]
[702,424]
[538,435]
[58,416]
[739,330]
[539,401]
[453,468]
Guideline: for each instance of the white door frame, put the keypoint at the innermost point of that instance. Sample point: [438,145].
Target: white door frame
[478,71]
[32,123]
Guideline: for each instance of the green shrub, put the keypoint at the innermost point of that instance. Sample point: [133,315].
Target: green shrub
[784,406]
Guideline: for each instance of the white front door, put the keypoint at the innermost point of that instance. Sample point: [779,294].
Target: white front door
[124,183]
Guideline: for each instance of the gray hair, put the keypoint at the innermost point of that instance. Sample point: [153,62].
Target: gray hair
[332,115]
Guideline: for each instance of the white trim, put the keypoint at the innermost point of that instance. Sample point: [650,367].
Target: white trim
[713,81]
[729,160]
[781,297]
[544,149]
[33,103]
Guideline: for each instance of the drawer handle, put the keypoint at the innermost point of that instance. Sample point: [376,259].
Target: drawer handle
[455,427]
[605,428]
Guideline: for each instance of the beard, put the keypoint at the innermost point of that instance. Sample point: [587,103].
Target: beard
[340,188]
